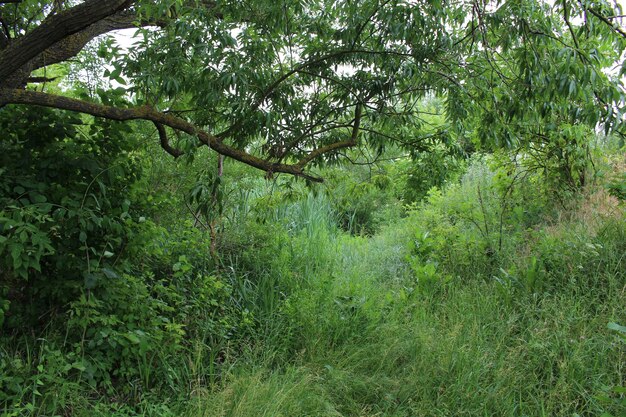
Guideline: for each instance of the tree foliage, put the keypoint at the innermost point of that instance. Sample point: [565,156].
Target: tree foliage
[283,85]
[64,205]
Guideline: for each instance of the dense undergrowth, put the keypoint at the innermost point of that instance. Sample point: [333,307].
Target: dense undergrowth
[432,317]
[487,297]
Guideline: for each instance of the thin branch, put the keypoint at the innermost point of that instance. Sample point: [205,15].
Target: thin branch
[298,68]
[360,29]
[569,25]
[606,21]
[376,160]
[196,216]
[337,145]
[165,143]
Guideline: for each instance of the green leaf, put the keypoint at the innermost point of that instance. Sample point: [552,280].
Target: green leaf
[38,198]
[16,253]
[617,327]
[79,365]
[109,273]
[91,280]
[133,338]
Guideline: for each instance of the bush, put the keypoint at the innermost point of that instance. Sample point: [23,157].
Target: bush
[64,209]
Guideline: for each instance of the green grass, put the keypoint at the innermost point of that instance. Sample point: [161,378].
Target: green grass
[417,320]
[467,355]
[366,339]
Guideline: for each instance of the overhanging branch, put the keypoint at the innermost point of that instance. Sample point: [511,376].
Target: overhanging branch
[53,29]
[70,46]
[17,96]
[337,145]
[35,80]
[165,143]
[73,44]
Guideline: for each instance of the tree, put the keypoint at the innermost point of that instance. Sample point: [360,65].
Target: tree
[281,85]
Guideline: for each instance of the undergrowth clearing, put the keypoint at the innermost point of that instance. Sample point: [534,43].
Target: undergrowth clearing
[469,304]
[423,320]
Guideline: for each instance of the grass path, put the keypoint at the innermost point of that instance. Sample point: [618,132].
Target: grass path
[365,338]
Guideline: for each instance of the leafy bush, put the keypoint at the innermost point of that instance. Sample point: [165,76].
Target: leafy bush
[63,206]
[119,300]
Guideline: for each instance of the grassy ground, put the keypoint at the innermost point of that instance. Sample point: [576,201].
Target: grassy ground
[373,333]
[469,305]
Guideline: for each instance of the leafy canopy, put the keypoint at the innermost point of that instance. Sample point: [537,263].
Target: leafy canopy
[281,85]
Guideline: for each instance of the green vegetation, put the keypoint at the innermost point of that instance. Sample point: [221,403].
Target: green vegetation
[374,209]
[483,299]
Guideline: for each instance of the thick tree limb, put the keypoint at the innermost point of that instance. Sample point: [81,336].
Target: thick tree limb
[35,80]
[17,96]
[4,34]
[73,44]
[53,29]
[4,41]
[70,46]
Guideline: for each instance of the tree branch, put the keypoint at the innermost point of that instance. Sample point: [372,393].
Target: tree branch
[17,96]
[73,44]
[299,68]
[53,29]
[165,143]
[337,145]
[569,25]
[606,21]
[5,36]
[35,80]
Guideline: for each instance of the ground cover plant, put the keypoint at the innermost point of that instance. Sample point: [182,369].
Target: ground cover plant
[429,316]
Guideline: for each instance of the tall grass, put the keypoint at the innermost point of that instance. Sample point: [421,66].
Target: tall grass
[364,335]
[429,317]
